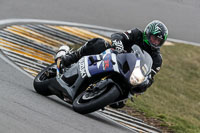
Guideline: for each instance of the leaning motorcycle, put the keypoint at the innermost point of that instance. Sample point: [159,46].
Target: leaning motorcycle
[96,81]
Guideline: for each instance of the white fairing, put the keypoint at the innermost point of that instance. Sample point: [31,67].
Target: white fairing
[137,77]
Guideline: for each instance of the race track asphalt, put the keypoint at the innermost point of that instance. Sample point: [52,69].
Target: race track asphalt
[22,110]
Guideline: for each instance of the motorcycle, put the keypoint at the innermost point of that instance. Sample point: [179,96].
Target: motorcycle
[96,81]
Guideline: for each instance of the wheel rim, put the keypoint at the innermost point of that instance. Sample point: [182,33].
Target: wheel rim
[89,95]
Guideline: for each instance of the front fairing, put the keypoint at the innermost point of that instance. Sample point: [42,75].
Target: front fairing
[126,63]
[129,62]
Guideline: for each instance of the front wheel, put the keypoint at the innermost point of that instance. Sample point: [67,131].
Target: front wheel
[41,81]
[88,102]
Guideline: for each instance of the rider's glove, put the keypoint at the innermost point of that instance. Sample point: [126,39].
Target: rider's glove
[118,45]
[148,82]
[143,87]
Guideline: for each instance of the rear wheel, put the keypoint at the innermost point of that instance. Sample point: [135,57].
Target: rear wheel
[89,101]
[41,81]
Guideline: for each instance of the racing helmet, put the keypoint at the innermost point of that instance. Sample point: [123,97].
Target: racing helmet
[155,34]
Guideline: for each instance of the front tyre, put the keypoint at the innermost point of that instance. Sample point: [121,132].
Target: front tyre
[87,102]
[41,81]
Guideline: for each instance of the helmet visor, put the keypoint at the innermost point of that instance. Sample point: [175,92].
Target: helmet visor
[156,41]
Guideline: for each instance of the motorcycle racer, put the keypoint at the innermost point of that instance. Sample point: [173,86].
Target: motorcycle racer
[150,40]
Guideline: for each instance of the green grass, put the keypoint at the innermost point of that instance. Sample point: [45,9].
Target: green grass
[175,95]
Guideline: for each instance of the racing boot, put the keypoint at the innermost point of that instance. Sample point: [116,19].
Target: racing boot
[118,105]
[70,58]
[63,51]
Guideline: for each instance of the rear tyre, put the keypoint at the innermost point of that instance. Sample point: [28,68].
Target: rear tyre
[83,104]
[41,81]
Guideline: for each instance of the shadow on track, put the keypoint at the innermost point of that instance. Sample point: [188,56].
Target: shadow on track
[94,116]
